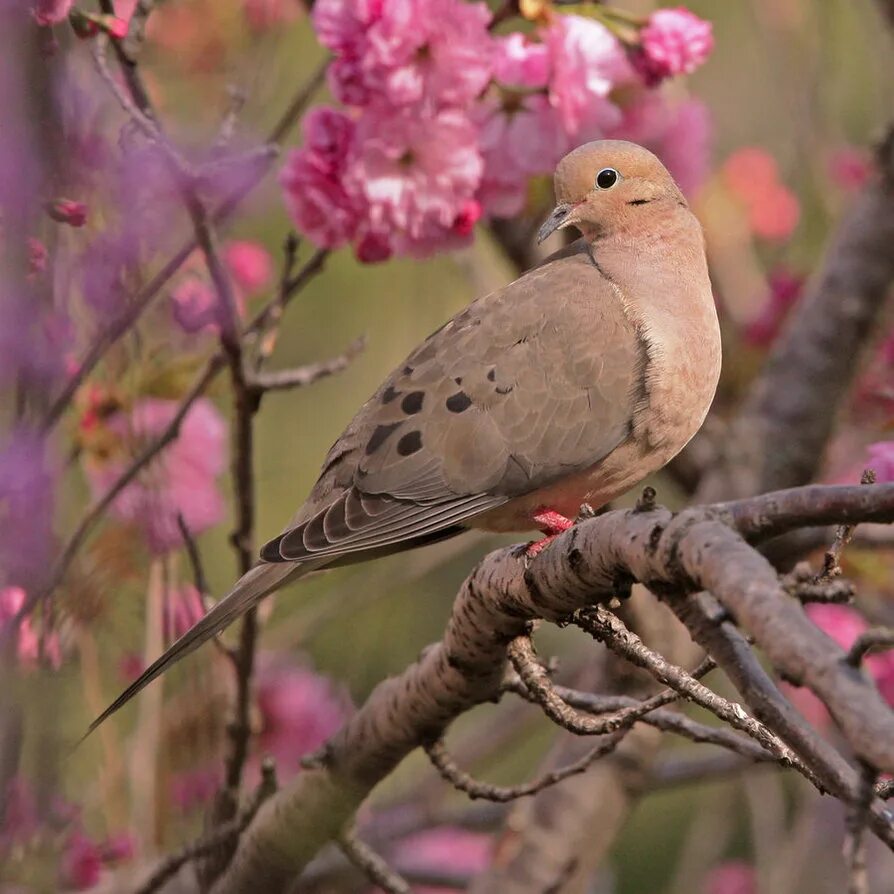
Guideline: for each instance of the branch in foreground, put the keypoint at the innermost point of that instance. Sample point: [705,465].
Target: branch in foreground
[690,551]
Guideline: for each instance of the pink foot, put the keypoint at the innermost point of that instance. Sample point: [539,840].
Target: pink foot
[552,524]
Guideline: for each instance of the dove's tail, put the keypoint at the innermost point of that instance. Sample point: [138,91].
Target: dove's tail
[253,586]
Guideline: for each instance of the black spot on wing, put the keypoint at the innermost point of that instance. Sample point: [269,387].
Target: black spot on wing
[380,435]
[412,402]
[458,402]
[492,374]
[389,394]
[409,443]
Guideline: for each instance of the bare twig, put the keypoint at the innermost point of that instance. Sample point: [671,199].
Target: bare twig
[302,376]
[135,308]
[458,778]
[875,638]
[371,864]
[855,840]
[220,836]
[843,535]
[611,630]
[524,659]
[194,556]
[807,587]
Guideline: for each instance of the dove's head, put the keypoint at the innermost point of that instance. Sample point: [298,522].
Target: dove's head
[601,186]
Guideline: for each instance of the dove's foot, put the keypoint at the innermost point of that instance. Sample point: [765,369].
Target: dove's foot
[552,524]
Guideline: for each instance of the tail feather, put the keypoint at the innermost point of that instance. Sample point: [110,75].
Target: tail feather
[259,582]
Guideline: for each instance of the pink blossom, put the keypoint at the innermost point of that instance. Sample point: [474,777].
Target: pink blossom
[194,305]
[373,247]
[28,644]
[312,180]
[118,848]
[299,710]
[850,167]
[417,174]
[50,12]
[180,480]
[753,177]
[182,609]
[519,136]
[731,877]
[81,864]
[520,61]
[37,256]
[785,290]
[446,848]
[20,817]
[68,212]
[264,14]
[250,264]
[406,51]
[588,63]
[880,458]
[673,42]
[194,788]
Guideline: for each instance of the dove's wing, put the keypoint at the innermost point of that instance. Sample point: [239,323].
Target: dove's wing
[531,383]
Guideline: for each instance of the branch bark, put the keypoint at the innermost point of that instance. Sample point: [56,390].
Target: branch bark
[686,552]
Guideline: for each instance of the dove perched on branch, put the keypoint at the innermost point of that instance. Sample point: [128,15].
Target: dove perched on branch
[568,386]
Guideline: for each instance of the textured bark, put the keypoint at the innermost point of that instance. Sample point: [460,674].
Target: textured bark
[691,551]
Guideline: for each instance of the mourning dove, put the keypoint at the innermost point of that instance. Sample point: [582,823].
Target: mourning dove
[569,385]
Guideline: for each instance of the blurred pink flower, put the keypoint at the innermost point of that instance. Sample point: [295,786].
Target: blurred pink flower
[373,247]
[118,848]
[673,42]
[752,176]
[81,864]
[130,666]
[880,458]
[341,24]
[843,624]
[588,63]
[37,256]
[182,609]
[446,848]
[20,817]
[180,480]
[731,877]
[194,788]
[786,288]
[28,645]
[250,264]
[417,173]
[520,61]
[194,305]
[849,167]
[299,710]
[50,12]
[264,14]
[67,211]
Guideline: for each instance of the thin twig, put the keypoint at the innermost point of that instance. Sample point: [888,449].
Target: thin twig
[135,308]
[219,837]
[610,630]
[459,779]
[807,587]
[194,556]
[843,535]
[372,865]
[302,376]
[874,638]
[855,840]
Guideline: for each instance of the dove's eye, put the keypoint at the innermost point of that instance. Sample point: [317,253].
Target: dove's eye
[607,178]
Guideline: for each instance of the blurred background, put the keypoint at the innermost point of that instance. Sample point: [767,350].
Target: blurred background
[797,93]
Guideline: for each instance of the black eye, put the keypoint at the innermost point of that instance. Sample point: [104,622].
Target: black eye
[607,178]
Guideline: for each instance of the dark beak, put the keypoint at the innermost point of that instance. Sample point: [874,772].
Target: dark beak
[556,220]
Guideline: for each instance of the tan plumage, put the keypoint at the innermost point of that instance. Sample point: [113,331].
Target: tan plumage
[569,385]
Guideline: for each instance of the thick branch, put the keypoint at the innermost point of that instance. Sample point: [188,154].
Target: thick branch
[692,550]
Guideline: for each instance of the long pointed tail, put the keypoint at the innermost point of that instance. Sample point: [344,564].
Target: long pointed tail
[259,582]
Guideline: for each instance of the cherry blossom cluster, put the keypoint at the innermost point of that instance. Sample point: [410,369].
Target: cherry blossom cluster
[443,122]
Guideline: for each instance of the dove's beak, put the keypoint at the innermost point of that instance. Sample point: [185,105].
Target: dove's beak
[558,219]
